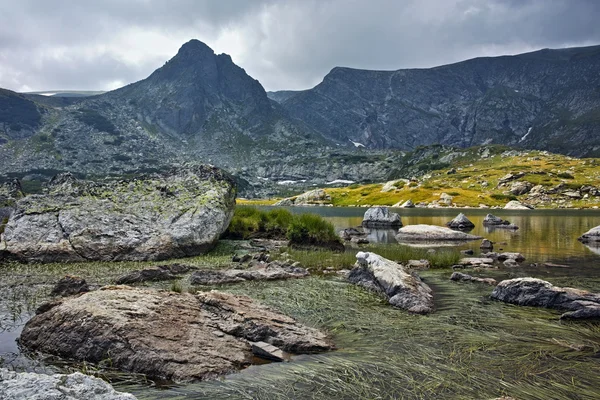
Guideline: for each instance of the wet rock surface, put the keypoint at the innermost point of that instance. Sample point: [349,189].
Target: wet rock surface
[461,222]
[176,214]
[402,289]
[154,274]
[381,217]
[579,304]
[591,237]
[76,386]
[69,286]
[497,222]
[458,276]
[167,335]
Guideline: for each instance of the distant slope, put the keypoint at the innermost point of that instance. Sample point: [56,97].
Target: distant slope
[282,95]
[549,99]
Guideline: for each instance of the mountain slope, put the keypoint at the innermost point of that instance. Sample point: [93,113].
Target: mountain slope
[549,99]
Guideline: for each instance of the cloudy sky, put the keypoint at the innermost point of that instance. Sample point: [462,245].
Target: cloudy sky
[285,44]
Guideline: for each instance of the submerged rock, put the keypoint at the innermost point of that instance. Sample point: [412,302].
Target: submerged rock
[461,222]
[69,286]
[154,274]
[458,276]
[76,386]
[166,335]
[579,304]
[381,217]
[268,272]
[403,290]
[180,213]
[432,233]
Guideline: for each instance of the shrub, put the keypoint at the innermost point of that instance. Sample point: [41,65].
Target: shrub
[503,197]
[250,222]
[311,229]
[565,175]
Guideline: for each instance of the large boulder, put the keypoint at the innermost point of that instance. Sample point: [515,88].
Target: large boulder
[517,205]
[402,289]
[520,187]
[381,217]
[421,232]
[316,197]
[579,304]
[176,214]
[591,237]
[461,223]
[76,386]
[166,335]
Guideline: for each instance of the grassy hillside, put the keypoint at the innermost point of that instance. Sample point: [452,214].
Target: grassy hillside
[474,177]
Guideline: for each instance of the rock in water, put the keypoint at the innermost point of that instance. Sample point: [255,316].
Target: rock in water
[591,237]
[166,335]
[580,304]
[461,222]
[403,290]
[76,386]
[69,286]
[486,245]
[154,274]
[176,214]
[416,233]
[497,222]
[458,276]
[381,217]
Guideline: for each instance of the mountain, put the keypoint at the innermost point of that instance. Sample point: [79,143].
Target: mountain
[548,99]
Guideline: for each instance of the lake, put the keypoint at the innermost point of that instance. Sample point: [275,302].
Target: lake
[470,347]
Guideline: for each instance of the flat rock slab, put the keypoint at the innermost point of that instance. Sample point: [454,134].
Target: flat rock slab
[265,272]
[421,232]
[154,274]
[167,335]
[579,304]
[154,217]
[76,386]
[476,261]
[458,276]
[403,290]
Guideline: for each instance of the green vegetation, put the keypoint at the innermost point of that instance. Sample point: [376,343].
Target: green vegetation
[17,112]
[312,230]
[95,120]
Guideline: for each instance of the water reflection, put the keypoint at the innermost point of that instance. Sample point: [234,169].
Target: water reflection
[543,235]
[381,235]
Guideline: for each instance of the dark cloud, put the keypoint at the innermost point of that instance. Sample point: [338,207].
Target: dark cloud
[72,44]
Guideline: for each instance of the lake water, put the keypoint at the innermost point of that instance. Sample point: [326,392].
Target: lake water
[470,347]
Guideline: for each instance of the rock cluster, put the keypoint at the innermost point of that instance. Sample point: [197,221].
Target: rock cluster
[402,289]
[497,222]
[167,335]
[275,270]
[579,304]
[176,214]
[317,197]
[458,276]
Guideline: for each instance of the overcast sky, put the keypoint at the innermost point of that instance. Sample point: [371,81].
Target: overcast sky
[286,44]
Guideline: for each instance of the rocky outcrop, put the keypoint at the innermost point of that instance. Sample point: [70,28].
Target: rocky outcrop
[516,205]
[416,233]
[76,386]
[69,286]
[461,223]
[591,237]
[579,304]
[381,217]
[519,188]
[497,222]
[275,270]
[179,213]
[458,276]
[317,197]
[166,335]
[403,290]
[154,274]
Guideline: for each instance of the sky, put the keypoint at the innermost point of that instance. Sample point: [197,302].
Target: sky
[285,44]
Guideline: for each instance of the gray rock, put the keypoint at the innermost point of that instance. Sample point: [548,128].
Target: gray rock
[458,276]
[268,351]
[69,286]
[446,199]
[380,217]
[359,240]
[418,264]
[518,257]
[517,205]
[316,197]
[348,233]
[416,233]
[591,237]
[579,304]
[180,213]
[510,177]
[164,334]
[486,245]
[461,222]
[261,272]
[519,188]
[403,290]
[510,263]
[154,274]
[497,222]
[406,204]
[476,261]
[76,386]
